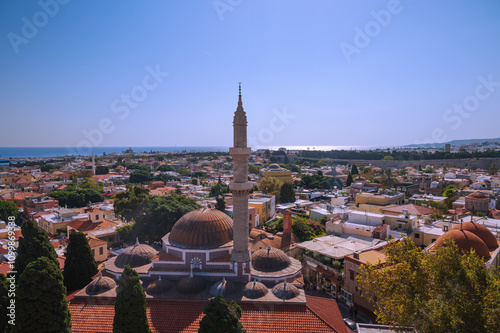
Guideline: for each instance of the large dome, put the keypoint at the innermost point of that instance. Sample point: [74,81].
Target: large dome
[466,241]
[135,256]
[203,228]
[480,231]
[270,260]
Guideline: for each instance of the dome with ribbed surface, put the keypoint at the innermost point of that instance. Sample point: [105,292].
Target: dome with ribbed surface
[270,260]
[100,285]
[255,290]
[203,228]
[466,241]
[136,255]
[191,284]
[480,231]
[159,286]
[222,288]
[285,291]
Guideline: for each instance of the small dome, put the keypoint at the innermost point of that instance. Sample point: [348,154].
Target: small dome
[191,284]
[135,255]
[466,241]
[480,231]
[477,195]
[222,288]
[100,285]
[203,228]
[159,286]
[285,291]
[270,260]
[255,290]
[274,166]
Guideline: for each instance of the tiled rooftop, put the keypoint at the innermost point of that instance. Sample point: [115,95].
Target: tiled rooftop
[318,315]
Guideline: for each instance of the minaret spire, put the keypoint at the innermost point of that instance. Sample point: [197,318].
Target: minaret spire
[240,187]
[240,103]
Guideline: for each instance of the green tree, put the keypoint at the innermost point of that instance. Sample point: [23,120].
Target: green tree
[33,245]
[101,170]
[41,299]
[349,180]
[4,301]
[271,185]
[131,203]
[354,170]
[388,158]
[130,304]
[252,168]
[194,181]
[218,189]
[220,203]
[7,209]
[140,176]
[165,167]
[493,170]
[80,264]
[287,193]
[221,317]
[443,291]
[160,214]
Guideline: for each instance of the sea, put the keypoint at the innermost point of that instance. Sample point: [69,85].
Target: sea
[40,152]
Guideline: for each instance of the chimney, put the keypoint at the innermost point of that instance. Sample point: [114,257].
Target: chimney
[286,239]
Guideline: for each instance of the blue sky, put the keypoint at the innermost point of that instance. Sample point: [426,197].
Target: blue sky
[370,73]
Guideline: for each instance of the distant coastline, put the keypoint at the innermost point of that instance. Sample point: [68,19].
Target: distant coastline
[38,152]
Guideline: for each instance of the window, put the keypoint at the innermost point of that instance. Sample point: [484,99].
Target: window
[445,228]
[250,217]
[97,217]
[101,250]
[417,235]
[93,253]
[351,274]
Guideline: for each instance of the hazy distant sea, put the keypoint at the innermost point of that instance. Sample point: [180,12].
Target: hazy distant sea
[26,152]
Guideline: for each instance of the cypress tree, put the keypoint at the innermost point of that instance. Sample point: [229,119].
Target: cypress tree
[33,245]
[354,170]
[221,317]
[287,193]
[130,304]
[41,303]
[220,203]
[80,264]
[349,180]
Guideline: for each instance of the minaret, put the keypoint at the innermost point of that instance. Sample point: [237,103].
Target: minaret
[93,163]
[240,187]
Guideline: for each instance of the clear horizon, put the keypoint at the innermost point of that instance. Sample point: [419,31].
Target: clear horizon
[381,74]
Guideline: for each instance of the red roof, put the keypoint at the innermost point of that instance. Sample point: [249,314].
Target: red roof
[5,268]
[88,225]
[412,209]
[89,314]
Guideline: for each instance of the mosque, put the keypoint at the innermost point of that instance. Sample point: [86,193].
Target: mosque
[207,253]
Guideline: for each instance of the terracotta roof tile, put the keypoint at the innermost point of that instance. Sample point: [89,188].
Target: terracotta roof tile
[319,315]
